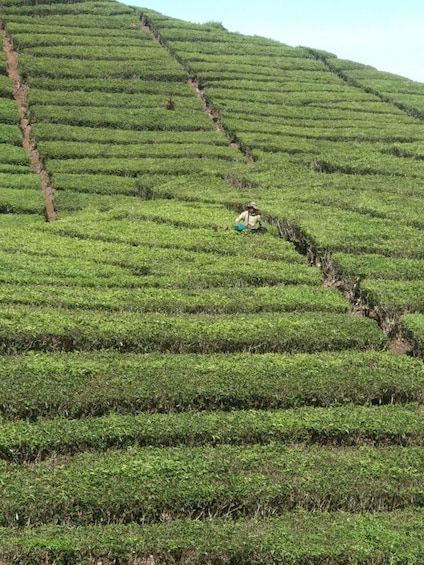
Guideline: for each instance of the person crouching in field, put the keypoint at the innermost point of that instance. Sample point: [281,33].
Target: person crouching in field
[249,219]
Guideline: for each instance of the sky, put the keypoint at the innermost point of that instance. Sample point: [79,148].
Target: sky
[386,34]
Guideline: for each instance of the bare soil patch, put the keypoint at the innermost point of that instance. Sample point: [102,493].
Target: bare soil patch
[19,94]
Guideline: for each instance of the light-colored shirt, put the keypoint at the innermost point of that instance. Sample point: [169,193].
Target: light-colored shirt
[252,221]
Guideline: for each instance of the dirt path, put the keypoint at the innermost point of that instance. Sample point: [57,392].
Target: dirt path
[19,94]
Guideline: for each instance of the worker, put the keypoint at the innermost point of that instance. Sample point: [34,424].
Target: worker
[249,219]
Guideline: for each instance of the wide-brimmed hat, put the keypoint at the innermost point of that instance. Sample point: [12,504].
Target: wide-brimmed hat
[253,205]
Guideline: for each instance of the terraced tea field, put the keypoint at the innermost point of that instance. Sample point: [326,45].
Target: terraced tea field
[172,391]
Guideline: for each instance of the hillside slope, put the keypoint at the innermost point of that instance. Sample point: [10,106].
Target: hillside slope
[173,391]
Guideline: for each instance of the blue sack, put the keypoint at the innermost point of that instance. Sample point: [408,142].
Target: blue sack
[239,227]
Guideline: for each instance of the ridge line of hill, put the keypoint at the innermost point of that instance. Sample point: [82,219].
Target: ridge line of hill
[19,94]
[412,112]
[197,86]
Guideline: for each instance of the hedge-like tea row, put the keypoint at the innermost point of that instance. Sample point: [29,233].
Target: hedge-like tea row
[396,207]
[182,214]
[395,296]
[291,95]
[148,51]
[145,484]
[81,384]
[49,36]
[106,136]
[136,167]
[296,538]
[60,26]
[189,270]
[376,266]
[414,330]
[353,233]
[9,112]
[63,68]
[42,329]
[94,24]
[36,35]
[65,9]
[148,242]
[316,129]
[13,155]
[299,298]
[27,181]
[398,90]
[10,134]
[6,86]
[334,117]
[128,85]
[75,150]
[347,426]
[142,101]
[150,185]
[159,118]
[22,201]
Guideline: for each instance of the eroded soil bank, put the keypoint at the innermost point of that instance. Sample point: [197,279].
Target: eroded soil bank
[19,94]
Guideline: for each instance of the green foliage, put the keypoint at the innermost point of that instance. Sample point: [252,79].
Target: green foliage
[401,296]
[75,150]
[43,329]
[301,298]
[6,86]
[134,319]
[62,132]
[76,21]
[414,331]
[347,426]
[378,266]
[158,118]
[141,484]
[10,134]
[52,67]
[349,232]
[13,155]
[397,90]
[66,8]
[27,37]
[149,52]
[40,29]
[99,383]
[296,537]
[21,201]
[107,100]
[27,181]
[9,112]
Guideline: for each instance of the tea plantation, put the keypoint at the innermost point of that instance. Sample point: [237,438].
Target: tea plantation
[173,391]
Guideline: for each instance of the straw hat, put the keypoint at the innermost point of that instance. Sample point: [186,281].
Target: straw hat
[253,205]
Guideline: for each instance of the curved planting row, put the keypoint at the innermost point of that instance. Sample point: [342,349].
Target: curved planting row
[99,383]
[144,484]
[379,537]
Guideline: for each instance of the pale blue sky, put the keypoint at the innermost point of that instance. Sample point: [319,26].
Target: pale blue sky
[386,34]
